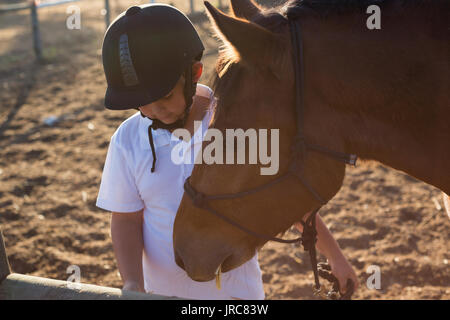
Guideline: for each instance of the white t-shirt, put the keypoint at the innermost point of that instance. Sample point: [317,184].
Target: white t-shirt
[128,186]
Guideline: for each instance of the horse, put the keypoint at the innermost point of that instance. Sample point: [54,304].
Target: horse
[381,94]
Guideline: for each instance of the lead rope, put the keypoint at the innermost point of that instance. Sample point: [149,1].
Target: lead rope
[309,239]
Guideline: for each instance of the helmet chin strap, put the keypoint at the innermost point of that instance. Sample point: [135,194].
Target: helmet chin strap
[189,91]
[157,124]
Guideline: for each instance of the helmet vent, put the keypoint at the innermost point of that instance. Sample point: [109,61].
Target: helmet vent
[126,65]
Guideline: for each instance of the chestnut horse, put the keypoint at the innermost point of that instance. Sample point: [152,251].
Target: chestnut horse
[381,94]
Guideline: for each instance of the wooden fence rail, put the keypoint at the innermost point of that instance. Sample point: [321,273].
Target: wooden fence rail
[14,286]
[22,287]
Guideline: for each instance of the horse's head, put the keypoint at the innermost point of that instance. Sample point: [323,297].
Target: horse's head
[255,87]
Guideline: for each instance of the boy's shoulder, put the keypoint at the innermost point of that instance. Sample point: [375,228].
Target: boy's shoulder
[128,131]
[204,91]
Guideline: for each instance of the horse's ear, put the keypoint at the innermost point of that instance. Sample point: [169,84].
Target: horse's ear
[244,9]
[251,42]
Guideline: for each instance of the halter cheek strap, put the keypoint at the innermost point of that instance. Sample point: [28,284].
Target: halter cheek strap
[299,150]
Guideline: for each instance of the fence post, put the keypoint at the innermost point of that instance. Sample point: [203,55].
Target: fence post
[107,15]
[5,269]
[35,26]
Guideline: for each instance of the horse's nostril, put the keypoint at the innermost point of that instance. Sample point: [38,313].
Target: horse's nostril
[179,261]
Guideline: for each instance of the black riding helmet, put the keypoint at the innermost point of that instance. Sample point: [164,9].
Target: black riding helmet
[145,51]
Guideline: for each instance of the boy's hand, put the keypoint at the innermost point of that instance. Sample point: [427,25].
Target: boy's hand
[133,286]
[328,246]
[343,270]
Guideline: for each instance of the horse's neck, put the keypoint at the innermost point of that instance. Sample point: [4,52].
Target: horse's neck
[385,95]
[423,155]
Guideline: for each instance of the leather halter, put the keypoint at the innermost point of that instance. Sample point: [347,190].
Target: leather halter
[298,152]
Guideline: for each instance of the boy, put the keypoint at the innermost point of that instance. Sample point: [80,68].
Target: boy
[151,58]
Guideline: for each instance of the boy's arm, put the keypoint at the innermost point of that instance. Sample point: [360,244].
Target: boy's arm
[128,244]
[329,247]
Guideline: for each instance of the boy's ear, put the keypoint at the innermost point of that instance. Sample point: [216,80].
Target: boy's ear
[197,70]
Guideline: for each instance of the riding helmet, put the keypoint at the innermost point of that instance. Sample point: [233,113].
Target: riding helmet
[145,51]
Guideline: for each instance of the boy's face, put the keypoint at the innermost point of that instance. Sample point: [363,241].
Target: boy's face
[171,108]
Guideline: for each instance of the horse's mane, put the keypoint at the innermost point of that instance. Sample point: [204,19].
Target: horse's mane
[326,7]
[275,19]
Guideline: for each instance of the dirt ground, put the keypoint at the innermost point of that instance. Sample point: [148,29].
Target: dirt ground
[50,174]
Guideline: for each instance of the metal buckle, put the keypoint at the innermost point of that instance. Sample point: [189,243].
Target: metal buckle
[352,159]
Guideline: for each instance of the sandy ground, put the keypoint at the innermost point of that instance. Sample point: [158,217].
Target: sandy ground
[50,174]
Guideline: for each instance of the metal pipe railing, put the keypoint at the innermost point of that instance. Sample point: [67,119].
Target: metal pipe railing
[5,269]
[22,287]
[14,7]
[14,286]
